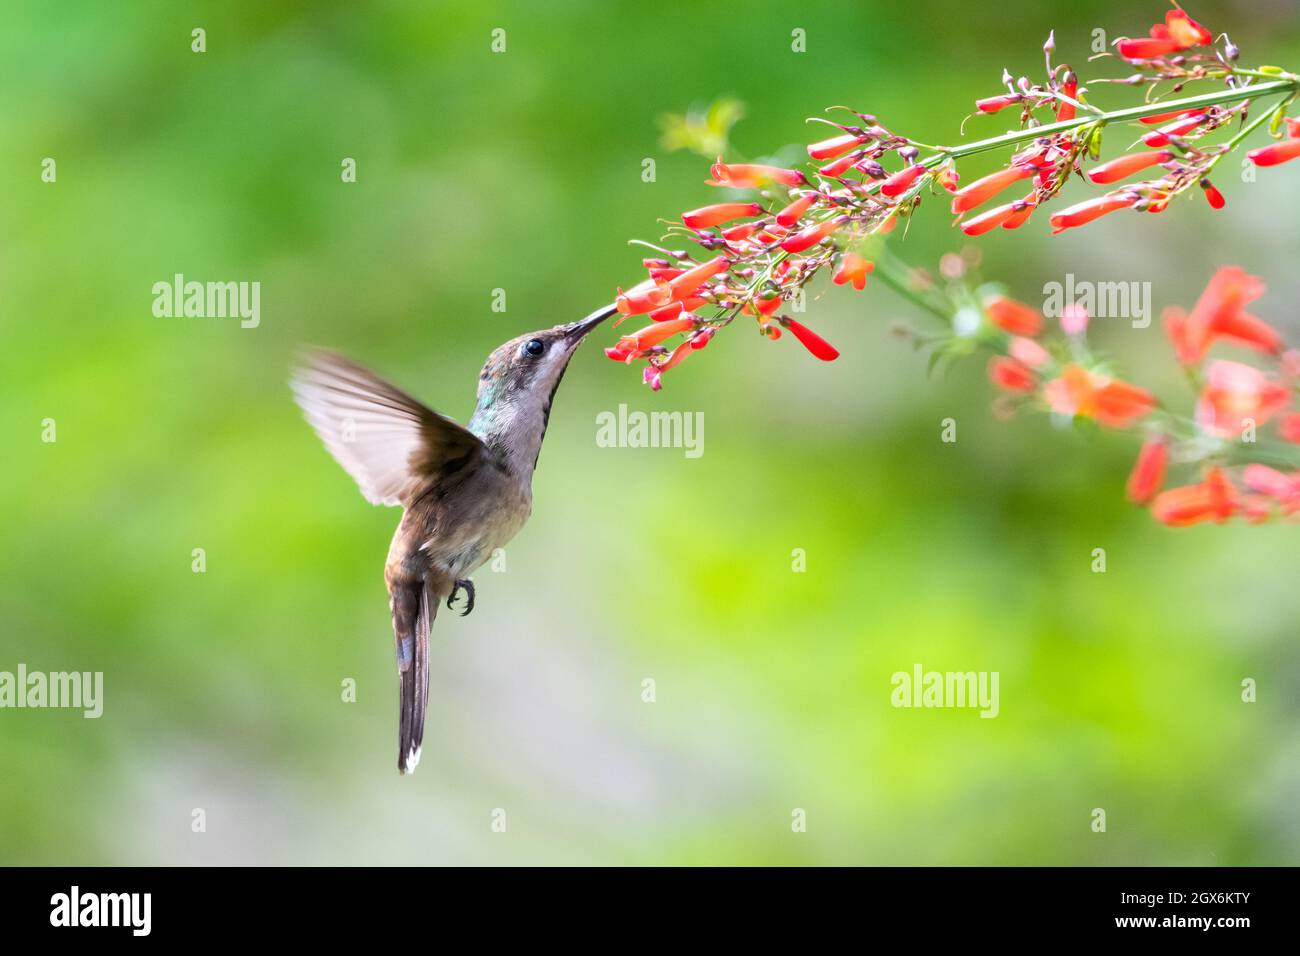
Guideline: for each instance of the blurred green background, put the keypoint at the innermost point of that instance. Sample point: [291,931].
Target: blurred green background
[522,171]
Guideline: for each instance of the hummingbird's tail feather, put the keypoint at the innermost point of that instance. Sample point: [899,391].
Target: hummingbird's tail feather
[413,614]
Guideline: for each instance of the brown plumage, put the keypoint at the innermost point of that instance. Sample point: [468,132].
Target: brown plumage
[465,490]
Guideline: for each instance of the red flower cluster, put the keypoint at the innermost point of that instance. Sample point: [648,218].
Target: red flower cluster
[863,179]
[1235,400]
[766,251]
[1065,387]
[1052,159]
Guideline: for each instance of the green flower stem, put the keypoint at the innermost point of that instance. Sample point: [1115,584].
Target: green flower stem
[891,271]
[1235,94]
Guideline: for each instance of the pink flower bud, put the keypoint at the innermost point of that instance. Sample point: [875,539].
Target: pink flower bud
[991,104]
[1074,319]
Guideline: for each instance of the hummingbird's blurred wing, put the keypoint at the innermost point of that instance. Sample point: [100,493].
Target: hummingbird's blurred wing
[387,441]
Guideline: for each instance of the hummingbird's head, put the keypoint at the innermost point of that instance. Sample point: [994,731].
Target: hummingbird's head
[528,369]
[518,383]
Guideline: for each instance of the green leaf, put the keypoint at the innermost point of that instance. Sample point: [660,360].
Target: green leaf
[705,132]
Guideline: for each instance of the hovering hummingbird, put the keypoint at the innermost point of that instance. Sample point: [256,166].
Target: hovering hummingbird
[465,491]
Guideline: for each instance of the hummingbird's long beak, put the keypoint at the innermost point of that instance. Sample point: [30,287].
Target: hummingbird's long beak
[577,330]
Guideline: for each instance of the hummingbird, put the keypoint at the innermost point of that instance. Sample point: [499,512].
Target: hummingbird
[464,490]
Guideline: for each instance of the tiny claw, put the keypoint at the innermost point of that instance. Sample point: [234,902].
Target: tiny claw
[468,587]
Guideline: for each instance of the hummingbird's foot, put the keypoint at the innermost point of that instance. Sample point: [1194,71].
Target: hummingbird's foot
[468,587]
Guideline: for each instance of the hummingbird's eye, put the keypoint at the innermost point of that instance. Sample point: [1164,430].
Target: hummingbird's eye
[533,348]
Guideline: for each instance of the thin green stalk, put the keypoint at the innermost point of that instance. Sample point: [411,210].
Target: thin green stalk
[889,271]
[1232,95]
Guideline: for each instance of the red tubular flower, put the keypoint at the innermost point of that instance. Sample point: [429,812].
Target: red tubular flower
[809,237]
[1011,376]
[835,146]
[1110,402]
[1074,319]
[1220,312]
[968,197]
[1071,89]
[1185,31]
[794,212]
[703,337]
[1282,152]
[1146,48]
[840,166]
[673,309]
[675,357]
[643,297]
[652,335]
[1162,117]
[853,268]
[763,306]
[900,182]
[1288,427]
[1180,127]
[1212,195]
[1148,473]
[1085,212]
[1236,394]
[991,104]
[715,215]
[742,232]
[1018,216]
[1014,317]
[947,178]
[997,216]
[692,279]
[1122,167]
[1119,404]
[813,342]
[618,354]
[1158,201]
[1214,499]
[753,175]
[665,274]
